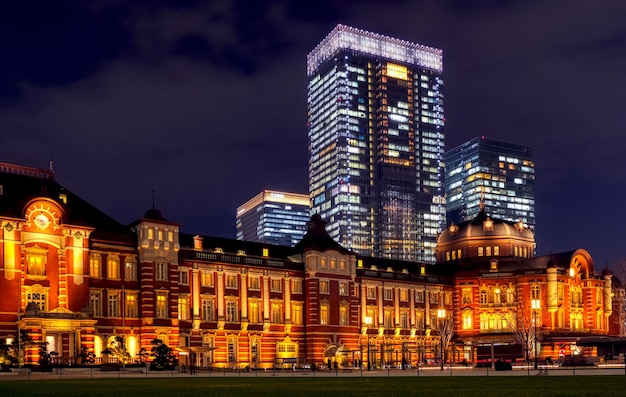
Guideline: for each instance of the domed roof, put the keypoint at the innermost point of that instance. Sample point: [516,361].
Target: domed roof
[483,227]
[154,214]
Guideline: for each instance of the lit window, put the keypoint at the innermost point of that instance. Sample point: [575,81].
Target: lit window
[296,286]
[231,311]
[183,308]
[343,315]
[371,292]
[254,283]
[113,268]
[387,319]
[94,265]
[404,295]
[480,251]
[343,288]
[266,252]
[113,304]
[324,287]
[160,271]
[296,314]
[387,294]
[231,281]
[277,313]
[206,279]
[130,270]
[161,305]
[130,305]
[419,296]
[253,312]
[276,285]
[324,314]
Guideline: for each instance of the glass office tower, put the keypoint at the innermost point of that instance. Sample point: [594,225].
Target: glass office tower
[274,218]
[502,173]
[376,143]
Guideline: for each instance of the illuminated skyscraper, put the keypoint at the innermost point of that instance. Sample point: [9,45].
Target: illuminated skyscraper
[503,173]
[274,218]
[376,143]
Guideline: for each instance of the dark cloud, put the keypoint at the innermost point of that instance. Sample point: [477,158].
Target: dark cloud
[205,101]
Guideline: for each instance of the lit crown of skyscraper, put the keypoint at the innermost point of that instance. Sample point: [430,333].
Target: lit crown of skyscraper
[375,44]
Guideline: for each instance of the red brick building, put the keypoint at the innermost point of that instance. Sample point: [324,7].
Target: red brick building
[77,279]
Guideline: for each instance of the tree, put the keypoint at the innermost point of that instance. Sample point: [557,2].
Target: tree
[117,348]
[445,327]
[619,294]
[164,357]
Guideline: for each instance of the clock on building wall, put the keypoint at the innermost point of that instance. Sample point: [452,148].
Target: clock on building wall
[42,221]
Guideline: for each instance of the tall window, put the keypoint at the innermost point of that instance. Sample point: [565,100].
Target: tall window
[324,287]
[130,270]
[296,286]
[206,279]
[253,312]
[483,296]
[404,319]
[343,288]
[388,318]
[343,315]
[231,311]
[419,296]
[113,267]
[113,304]
[95,301]
[160,271]
[254,283]
[161,304]
[255,355]
[95,261]
[404,295]
[276,285]
[183,277]
[232,349]
[231,281]
[371,292]
[388,294]
[277,313]
[131,304]
[467,320]
[324,314]
[36,264]
[534,291]
[207,310]
[296,313]
[419,320]
[466,295]
[183,307]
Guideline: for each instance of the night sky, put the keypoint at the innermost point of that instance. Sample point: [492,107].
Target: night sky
[205,101]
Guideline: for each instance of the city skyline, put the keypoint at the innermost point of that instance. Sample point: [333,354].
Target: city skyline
[126,100]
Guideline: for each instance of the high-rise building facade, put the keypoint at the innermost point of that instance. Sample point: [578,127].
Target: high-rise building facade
[501,174]
[274,217]
[376,143]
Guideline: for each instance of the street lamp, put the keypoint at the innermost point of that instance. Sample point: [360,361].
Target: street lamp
[441,315]
[536,305]
[368,323]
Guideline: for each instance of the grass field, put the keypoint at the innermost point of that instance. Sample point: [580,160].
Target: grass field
[554,386]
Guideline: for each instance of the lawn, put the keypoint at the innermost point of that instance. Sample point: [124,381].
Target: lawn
[552,386]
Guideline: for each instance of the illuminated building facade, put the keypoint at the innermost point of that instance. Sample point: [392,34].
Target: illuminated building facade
[376,143]
[502,173]
[77,279]
[274,217]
